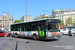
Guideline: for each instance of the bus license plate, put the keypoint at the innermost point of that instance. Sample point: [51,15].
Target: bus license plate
[55,37]
[54,33]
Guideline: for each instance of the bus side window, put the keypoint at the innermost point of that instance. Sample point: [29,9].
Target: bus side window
[18,29]
[28,28]
[13,28]
[24,29]
[31,28]
[34,28]
[43,27]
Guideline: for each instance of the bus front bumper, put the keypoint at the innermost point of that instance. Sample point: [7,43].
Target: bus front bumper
[53,37]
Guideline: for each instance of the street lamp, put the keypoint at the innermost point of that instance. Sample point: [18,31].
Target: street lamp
[45,11]
[3,19]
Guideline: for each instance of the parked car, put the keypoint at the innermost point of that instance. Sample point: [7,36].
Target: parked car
[4,33]
[72,32]
[64,31]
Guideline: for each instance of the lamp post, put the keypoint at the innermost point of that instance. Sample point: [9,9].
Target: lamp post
[3,19]
[45,11]
[26,10]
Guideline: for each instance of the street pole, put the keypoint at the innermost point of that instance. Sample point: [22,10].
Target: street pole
[26,10]
[45,11]
[3,19]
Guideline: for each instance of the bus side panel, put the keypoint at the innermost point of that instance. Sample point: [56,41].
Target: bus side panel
[24,33]
[30,33]
[34,32]
[15,32]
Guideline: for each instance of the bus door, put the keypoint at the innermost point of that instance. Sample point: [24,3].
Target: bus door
[41,29]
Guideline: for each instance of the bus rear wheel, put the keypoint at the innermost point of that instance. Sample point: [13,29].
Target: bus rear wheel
[34,37]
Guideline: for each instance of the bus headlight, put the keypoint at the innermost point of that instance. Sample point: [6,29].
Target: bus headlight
[49,34]
[59,33]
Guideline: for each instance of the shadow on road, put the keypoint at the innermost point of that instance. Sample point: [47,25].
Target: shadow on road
[16,45]
[50,40]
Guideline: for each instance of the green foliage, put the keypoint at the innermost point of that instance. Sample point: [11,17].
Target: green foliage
[17,21]
[61,9]
[45,17]
[52,10]
[35,19]
[62,22]
[69,21]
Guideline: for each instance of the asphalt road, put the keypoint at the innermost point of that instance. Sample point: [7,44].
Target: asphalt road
[12,43]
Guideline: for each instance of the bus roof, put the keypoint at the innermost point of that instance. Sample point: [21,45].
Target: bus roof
[31,21]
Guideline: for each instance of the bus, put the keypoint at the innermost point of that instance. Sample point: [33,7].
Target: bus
[37,29]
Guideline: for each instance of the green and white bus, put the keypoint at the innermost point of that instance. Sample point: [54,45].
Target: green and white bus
[37,29]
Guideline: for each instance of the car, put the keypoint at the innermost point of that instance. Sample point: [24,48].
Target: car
[4,33]
[72,32]
[64,31]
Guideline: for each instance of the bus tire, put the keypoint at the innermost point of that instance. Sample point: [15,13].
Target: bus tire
[34,37]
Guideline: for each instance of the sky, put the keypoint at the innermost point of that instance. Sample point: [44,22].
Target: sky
[17,8]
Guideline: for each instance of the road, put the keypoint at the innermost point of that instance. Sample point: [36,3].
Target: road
[12,43]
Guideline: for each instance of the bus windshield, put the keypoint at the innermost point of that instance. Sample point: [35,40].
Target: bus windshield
[53,26]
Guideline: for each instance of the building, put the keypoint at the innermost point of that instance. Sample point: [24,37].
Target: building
[5,20]
[64,14]
[24,18]
[40,17]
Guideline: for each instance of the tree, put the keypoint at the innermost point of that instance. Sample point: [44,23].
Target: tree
[17,21]
[45,17]
[69,21]
[62,22]
[61,9]
[35,19]
[52,10]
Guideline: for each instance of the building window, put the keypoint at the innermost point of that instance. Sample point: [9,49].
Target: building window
[57,17]
[66,19]
[71,15]
[62,17]
[71,10]
[74,21]
[68,15]
[73,18]
[58,12]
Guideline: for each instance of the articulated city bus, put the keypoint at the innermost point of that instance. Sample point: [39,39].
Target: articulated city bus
[37,29]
